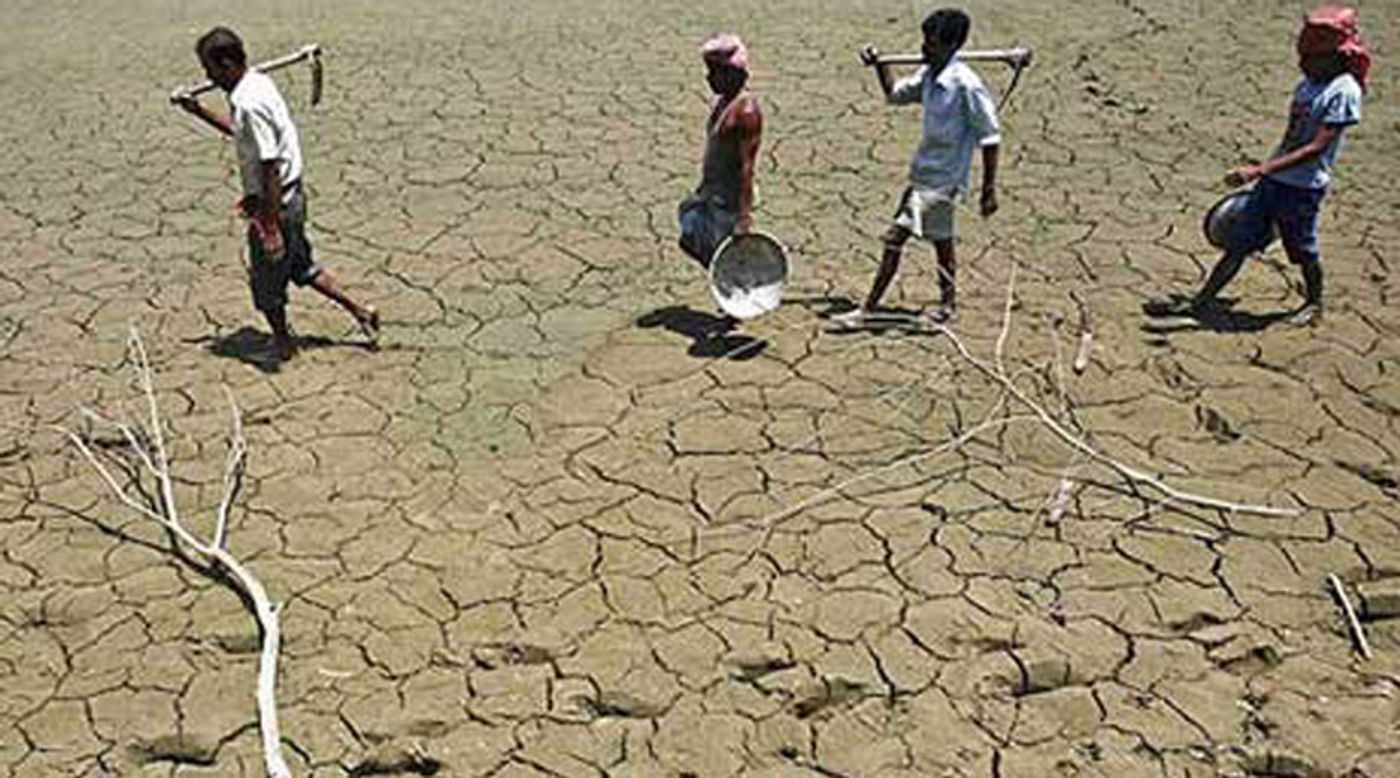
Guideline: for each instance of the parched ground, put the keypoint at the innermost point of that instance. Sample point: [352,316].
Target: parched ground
[553,529]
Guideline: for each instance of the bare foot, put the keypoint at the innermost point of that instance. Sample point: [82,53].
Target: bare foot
[369,325]
[284,347]
[1174,305]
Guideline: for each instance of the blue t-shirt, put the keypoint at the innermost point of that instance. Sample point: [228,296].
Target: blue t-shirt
[1317,104]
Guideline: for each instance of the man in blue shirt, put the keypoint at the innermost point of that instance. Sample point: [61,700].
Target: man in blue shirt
[1293,181]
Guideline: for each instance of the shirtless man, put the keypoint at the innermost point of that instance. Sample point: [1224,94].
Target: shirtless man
[723,203]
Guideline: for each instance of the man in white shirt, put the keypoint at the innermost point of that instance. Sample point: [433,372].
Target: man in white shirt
[959,116]
[274,200]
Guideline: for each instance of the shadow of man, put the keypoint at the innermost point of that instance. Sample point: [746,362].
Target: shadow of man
[885,319]
[1220,316]
[711,336]
[252,347]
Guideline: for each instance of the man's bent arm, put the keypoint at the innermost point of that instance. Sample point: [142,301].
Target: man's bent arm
[217,121]
[1319,143]
[267,212]
[990,155]
[882,74]
[270,202]
[1305,152]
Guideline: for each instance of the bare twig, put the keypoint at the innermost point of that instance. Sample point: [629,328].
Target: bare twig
[165,512]
[1350,613]
[1057,362]
[233,470]
[1000,350]
[1059,500]
[949,445]
[1086,339]
[1079,444]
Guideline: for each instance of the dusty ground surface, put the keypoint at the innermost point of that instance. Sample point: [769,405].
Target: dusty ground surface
[551,529]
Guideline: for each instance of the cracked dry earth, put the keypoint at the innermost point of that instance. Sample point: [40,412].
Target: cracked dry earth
[546,532]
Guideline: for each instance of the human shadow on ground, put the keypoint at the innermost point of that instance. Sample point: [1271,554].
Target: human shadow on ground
[711,336]
[1219,317]
[253,347]
[882,319]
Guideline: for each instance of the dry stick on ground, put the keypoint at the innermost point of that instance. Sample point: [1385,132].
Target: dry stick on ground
[162,510]
[1086,336]
[997,373]
[1350,613]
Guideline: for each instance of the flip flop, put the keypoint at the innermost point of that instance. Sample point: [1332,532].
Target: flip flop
[941,315]
[848,320]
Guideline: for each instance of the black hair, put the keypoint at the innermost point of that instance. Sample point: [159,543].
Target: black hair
[948,25]
[221,45]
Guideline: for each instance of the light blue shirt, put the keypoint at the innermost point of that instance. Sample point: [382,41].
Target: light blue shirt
[1317,104]
[959,116]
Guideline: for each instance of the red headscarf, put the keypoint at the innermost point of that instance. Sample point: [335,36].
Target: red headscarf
[1333,29]
[725,49]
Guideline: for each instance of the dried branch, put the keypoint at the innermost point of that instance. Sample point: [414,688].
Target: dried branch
[233,470]
[164,512]
[949,445]
[998,375]
[1086,338]
[1352,621]
[996,371]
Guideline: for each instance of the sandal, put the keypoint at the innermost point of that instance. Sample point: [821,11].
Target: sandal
[939,316]
[848,320]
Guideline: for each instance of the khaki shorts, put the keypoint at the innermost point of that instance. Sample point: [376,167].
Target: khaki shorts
[926,213]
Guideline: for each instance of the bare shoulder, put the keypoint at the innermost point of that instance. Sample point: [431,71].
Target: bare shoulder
[747,112]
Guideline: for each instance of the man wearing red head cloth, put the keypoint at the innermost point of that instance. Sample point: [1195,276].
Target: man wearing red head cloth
[723,203]
[1294,179]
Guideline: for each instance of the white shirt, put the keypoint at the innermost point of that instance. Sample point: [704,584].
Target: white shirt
[959,115]
[263,131]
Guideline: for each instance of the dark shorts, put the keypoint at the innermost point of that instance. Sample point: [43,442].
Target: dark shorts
[704,225]
[268,278]
[1292,208]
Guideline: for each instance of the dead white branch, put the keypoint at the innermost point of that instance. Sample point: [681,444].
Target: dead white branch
[1086,339]
[1059,500]
[997,373]
[1352,621]
[162,509]
[949,445]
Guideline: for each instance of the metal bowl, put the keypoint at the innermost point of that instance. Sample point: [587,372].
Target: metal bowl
[747,274]
[1222,225]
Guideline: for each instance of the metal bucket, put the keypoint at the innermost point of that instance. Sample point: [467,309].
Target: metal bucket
[1222,224]
[747,274]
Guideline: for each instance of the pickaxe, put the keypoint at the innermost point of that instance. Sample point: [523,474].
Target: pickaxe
[311,51]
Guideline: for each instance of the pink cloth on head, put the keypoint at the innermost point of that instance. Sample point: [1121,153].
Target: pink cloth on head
[725,49]
[1333,28]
